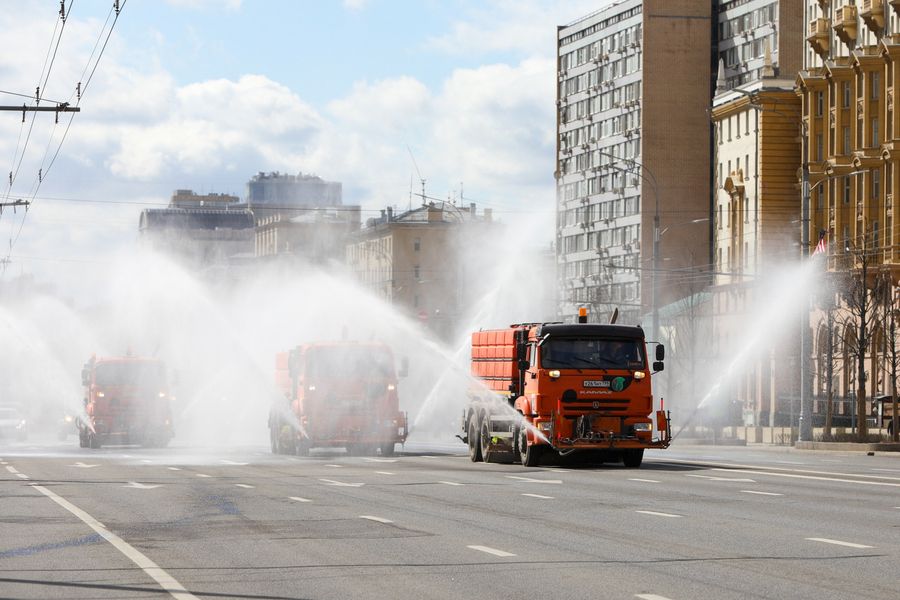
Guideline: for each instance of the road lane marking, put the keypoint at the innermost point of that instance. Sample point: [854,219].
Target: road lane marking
[336,466]
[299,499]
[82,465]
[659,514]
[788,462]
[203,475]
[539,496]
[760,493]
[533,480]
[245,486]
[384,472]
[379,460]
[140,486]
[712,478]
[839,543]
[644,480]
[166,581]
[816,478]
[173,468]
[22,476]
[378,519]
[493,551]
[650,597]
[341,483]
[146,461]
[887,470]
[451,483]
[783,471]
[231,462]
[558,470]
[12,470]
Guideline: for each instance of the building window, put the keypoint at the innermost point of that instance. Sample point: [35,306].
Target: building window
[876,79]
[875,141]
[417,244]
[875,232]
[820,150]
[846,92]
[846,190]
[846,136]
[876,183]
[820,103]
[416,271]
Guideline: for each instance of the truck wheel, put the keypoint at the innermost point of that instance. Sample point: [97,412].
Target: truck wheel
[485,437]
[529,455]
[387,449]
[472,433]
[632,458]
[93,441]
[301,447]
[273,441]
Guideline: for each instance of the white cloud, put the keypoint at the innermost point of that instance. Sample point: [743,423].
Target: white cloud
[355,5]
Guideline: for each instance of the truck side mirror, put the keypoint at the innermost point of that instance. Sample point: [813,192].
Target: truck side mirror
[404,367]
[660,353]
[85,376]
[658,366]
[523,364]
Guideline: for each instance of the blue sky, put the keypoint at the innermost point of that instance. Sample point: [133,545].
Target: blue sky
[202,94]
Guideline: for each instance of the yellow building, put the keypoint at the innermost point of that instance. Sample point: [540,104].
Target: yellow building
[848,92]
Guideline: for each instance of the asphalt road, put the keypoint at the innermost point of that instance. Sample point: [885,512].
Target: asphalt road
[691,523]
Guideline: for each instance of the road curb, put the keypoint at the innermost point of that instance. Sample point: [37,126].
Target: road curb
[849,446]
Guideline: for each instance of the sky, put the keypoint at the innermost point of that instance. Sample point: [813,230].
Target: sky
[203,94]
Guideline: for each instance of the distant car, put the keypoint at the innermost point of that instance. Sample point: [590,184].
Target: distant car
[12,423]
[67,425]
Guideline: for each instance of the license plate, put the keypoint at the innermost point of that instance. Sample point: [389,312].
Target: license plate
[590,383]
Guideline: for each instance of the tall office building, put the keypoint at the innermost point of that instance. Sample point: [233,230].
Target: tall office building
[633,155]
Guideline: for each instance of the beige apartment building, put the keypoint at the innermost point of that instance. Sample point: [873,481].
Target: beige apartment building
[415,260]
[633,150]
[849,91]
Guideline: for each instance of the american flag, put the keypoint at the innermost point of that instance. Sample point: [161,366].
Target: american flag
[822,246]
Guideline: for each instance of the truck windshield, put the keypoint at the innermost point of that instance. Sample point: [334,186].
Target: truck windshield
[569,353]
[357,362]
[139,374]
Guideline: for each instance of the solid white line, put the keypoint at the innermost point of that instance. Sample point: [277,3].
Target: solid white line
[760,493]
[166,581]
[711,478]
[839,543]
[451,483]
[203,475]
[539,496]
[11,470]
[559,470]
[299,499]
[658,514]
[644,480]
[22,476]
[887,470]
[794,476]
[650,597]
[245,486]
[378,519]
[384,472]
[493,551]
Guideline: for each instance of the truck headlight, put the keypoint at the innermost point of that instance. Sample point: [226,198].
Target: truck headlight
[643,426]
[391,387]
[101,395]
[545,425]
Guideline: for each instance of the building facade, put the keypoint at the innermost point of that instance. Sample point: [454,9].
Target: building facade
[847,87]
[633,148]
[315,237]
[273,194]
[415,260]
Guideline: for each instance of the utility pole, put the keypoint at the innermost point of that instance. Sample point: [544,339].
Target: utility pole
[805,398]
[63,107]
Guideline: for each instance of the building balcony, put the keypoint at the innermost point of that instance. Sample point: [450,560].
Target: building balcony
[872,12]
[818,36]
[895,4]
[845,25]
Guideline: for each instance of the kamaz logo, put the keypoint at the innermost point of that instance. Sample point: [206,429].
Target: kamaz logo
[592,383]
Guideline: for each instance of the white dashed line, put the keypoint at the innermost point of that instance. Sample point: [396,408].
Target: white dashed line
[379,460]
[335,466]
[658,514]
[712,478]
[12,470]
[378,519]
[140,486]
[22,476]
[650,597]
[533,480]
[839,543]
[451,483]
[644,480]
[559,470]
[539,496]
[814,478]
[203,475]
[146,461]
[82,465]
[493,551]
[760,493]
[245,486]
[887,470]
[299,499]
[166,581]
[341,483]
[231,462]
[173,468]
[384,472]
